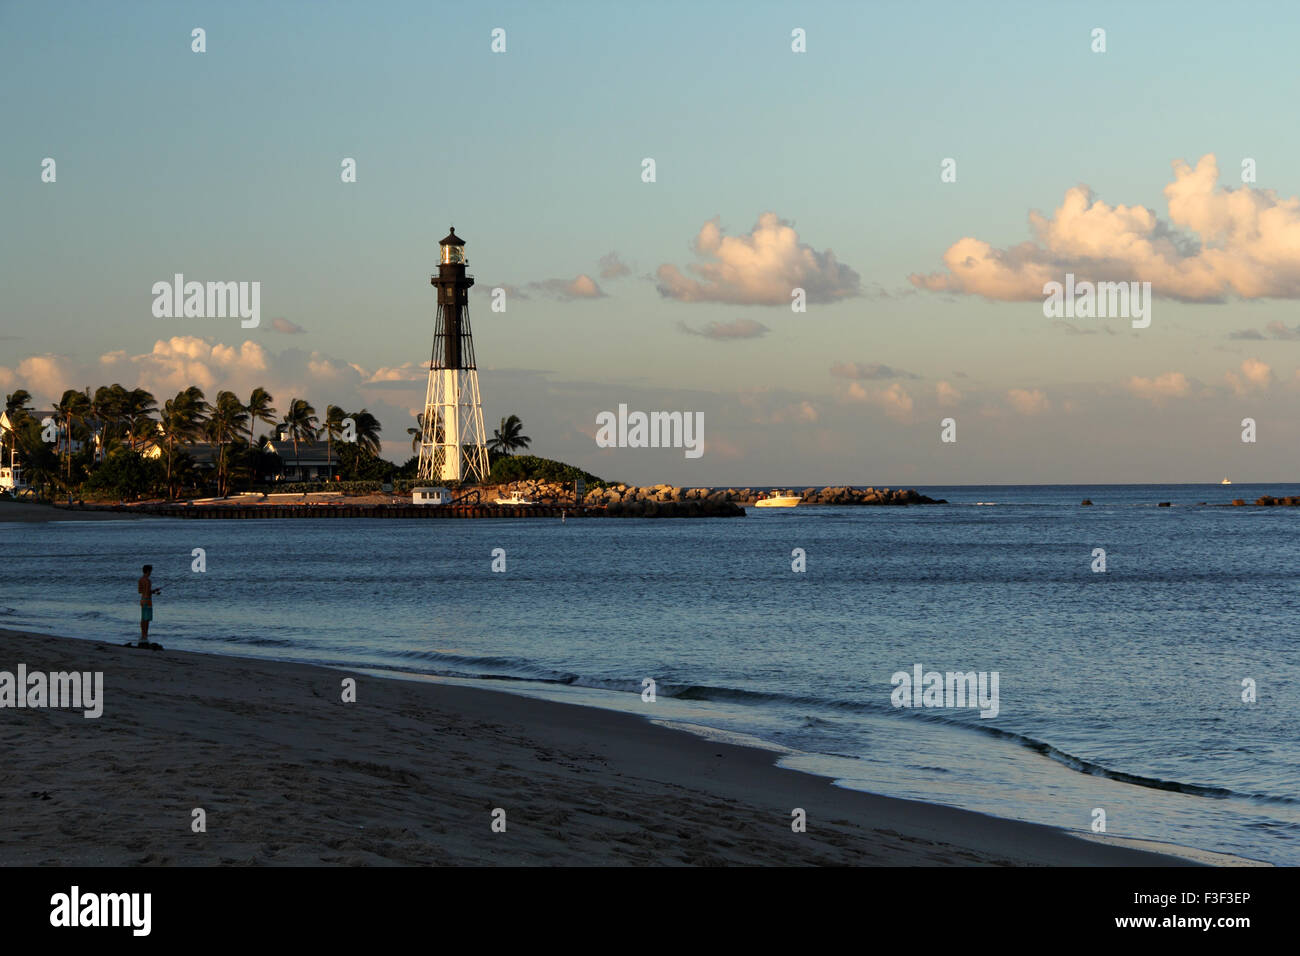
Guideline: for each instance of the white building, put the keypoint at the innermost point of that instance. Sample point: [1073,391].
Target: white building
[430,496]
[11,468]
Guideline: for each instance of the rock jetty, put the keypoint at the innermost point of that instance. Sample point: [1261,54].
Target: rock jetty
[631,499]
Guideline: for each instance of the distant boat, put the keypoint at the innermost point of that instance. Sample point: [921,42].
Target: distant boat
[778,501]
[515,500]
[1225,481]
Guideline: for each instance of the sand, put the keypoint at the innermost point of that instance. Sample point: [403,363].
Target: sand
[287,773]
[27,512]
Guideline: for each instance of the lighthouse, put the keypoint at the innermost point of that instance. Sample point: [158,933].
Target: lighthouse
[453,448]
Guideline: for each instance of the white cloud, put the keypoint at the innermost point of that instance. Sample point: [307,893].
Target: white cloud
[1254,375]
[583,287]
[893,399]
[47,377]
[1028,401]
[1161,388]
[1219,242]
[762,268]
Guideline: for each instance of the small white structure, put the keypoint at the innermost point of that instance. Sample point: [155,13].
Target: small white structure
[11,479]
[430,496]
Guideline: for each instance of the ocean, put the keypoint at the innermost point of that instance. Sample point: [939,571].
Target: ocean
[1120,691]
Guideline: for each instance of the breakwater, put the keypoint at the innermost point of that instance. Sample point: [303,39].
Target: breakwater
[343,509]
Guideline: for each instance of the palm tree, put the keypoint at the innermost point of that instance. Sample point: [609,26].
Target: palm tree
[367,429]
[73,407]
[229,419]
[333,429]
[17,408]
[138,411]
[18,403]
[259,409]
[301,424]
[507,437]
[182,420]
[106,407]
[416,433]
[40,464]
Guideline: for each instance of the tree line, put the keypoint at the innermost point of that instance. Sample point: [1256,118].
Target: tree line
[124,424]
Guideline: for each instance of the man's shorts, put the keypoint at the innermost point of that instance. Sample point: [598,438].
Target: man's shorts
[146,612]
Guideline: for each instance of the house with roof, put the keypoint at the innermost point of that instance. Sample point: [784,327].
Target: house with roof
[11,468]
[311,461]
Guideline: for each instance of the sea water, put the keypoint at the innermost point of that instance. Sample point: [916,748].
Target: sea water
[1119,690]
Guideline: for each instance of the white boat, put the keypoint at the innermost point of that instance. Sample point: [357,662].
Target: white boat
[1225,481]
[778,501]
[515,500]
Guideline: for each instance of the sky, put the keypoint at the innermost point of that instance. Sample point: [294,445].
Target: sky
[773,170]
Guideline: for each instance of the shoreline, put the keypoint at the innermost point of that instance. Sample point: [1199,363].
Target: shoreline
[411,772]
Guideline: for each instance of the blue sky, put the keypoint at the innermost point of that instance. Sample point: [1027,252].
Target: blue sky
[225,166]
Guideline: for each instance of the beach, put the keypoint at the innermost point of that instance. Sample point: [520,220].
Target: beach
[412,772]
[31,513]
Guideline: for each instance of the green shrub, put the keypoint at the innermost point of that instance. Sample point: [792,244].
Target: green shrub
[126,474]
[531,468]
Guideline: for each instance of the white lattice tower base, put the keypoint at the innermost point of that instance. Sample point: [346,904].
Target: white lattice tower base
[453,446]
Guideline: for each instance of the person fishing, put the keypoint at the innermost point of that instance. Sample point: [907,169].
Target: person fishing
[147,591]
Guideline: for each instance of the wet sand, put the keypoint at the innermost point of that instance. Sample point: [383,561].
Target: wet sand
[412,772]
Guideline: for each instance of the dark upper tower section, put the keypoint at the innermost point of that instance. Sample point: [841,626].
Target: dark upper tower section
[452,345]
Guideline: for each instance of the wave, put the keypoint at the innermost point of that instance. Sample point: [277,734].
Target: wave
[710,693]
[1092,768]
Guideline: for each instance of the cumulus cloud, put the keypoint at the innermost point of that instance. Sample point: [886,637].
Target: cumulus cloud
[772,406]
[725,331]
[1218,242]
[285,327]
[762,268]
[1161,388]
[870,372]
[583,287]
[176,363]
[612,267]
[398,376]
[184,360]
[47,377]
[1028,401]
[946,394]
[893,399]
[1254,374]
